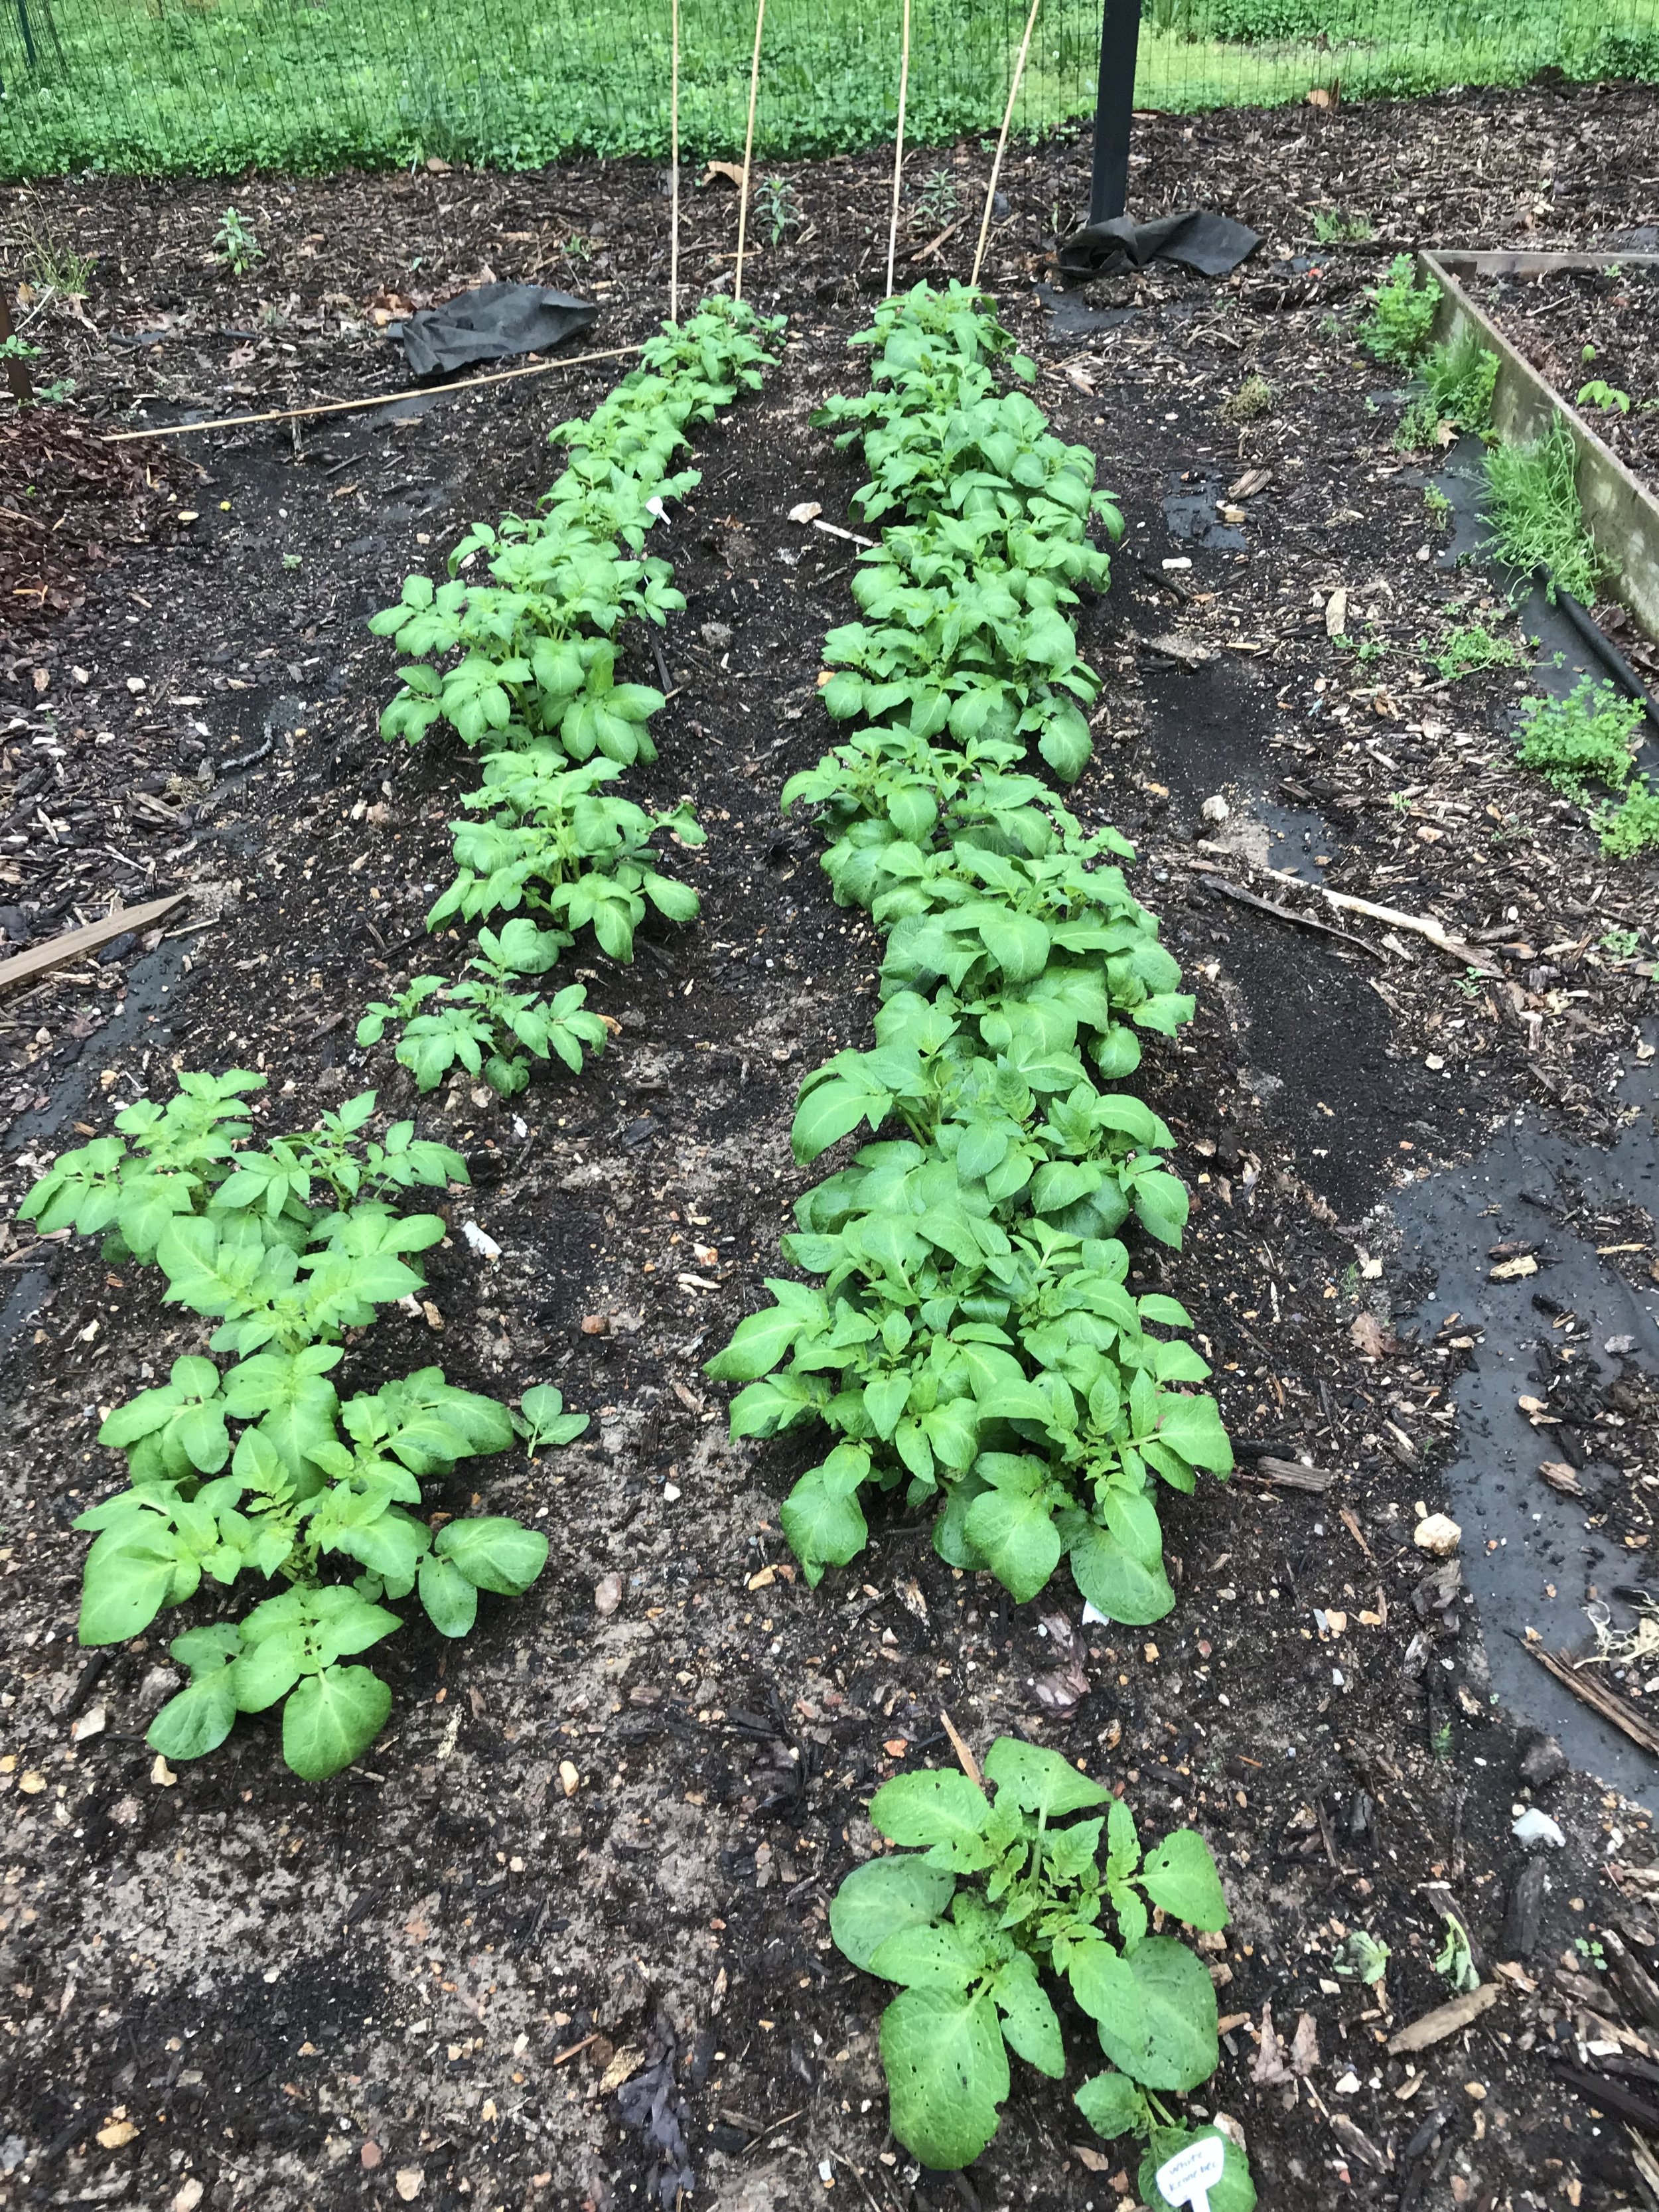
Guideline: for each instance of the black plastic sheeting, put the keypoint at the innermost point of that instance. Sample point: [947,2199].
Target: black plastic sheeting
[1213,244]
[490,323]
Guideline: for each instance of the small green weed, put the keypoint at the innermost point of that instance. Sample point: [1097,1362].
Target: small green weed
[1632,829]
[1438,505]
[1455,1961]
[237,244]
[55,267]
[1607,397]
[1623,943]
[1253,399]
[1588,739]
[938,199]
[1402,315]
[1332,228]
[1534,516]
[1361,1957]
[780,207]
[1466,651]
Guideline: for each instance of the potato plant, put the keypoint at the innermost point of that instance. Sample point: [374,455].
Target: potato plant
[259,1468]
[969,1337]
[993,1893]
[524,667]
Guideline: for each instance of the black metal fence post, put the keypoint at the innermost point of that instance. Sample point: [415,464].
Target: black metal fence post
[1120,40]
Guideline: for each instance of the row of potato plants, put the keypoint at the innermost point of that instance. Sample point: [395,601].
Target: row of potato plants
[971,1337]
[524,667]
[967,1330]
[260,1468]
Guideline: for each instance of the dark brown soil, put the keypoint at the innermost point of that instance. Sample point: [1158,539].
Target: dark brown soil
[335,1996]
[1589,328]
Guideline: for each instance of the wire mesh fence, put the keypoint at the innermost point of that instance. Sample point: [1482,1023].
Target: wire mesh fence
[213,85]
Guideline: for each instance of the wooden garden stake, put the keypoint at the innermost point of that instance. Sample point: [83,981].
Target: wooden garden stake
[898,146]
[749,147]
[674,161]
[17,372]
[1002,142]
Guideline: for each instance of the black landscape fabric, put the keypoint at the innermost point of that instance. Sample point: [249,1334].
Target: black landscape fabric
[490,323]
[1214,244]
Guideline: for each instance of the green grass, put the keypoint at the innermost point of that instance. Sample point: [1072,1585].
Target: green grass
[1535,521]
[1461,374]
[309,85]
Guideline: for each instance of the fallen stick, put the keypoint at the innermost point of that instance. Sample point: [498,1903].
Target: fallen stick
[933,245]
[1288,1474]
[1594,1693]
[1220,886]
[382,400]
[1419,925]
[970,1766]
[74,942]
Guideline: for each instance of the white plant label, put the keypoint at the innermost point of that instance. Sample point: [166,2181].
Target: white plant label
[1193,2172]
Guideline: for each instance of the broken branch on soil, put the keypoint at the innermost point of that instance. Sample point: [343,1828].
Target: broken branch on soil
[1594,1692]
[74,942]
[381,399]
[1226,890]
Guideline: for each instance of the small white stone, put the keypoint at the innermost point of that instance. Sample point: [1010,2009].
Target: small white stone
[1437,1533]
[1215,808]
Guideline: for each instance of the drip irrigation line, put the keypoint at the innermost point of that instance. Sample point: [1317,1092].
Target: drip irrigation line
[1602,645]
[898,145]
[748,149]
[381,399]
[674,161]
[1002,140]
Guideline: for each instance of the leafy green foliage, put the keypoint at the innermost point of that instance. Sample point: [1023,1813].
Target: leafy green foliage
[1460,373]
[558,844]
[1632,828]
[1586,738]
[1535,518]
[525,666]
[1469,649]
[529,658]
[991,1893]
[236,243]
[481,1024]
[1589,740]
[1402,315]
[260,1468]
[969,1339]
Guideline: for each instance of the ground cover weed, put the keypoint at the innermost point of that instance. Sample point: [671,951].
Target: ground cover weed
[1468,649]
[1589,739]
[993,1895]
[968,1336]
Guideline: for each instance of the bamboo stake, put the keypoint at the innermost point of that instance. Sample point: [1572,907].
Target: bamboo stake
[749,147]
[381,399]
[1002,142]
[674,159]
[898,146]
